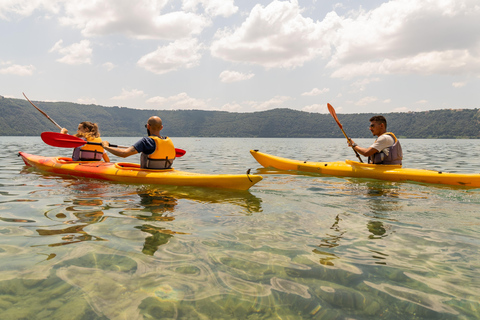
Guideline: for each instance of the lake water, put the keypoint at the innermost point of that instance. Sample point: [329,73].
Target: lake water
[295,246]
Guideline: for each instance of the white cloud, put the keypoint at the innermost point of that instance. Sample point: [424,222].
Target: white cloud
[25,8]
[179,54]
[275,102]
[179,101]
[459,84]
[223,8]
[421,101]
[16,69]
[77,53]
[232,107]
[365,101]
[360,85]
[109,66]
[141,19]
[273,36]
[87,100]
[316,92]
[401,109]
[126,95]
[252,105]
[447,62]
[394,39]
[318,108]
[228,76]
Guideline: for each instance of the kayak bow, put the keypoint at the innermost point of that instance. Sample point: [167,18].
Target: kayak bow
[132,173]
[356,169]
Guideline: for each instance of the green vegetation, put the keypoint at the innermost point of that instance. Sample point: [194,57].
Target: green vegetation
[19,118]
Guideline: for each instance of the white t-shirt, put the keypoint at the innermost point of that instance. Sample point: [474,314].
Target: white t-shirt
[383,142]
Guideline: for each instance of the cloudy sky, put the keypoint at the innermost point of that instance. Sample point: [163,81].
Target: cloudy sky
[243,55]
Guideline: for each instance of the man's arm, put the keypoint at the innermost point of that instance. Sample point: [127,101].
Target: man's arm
[366,152]
[119,152]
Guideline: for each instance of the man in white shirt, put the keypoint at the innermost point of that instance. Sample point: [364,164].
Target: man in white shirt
[386,149]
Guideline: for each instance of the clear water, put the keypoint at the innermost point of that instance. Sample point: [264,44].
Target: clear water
[295,246]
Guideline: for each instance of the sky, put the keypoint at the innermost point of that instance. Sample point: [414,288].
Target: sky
[244,56]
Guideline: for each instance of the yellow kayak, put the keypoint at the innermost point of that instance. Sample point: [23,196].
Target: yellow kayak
[356,169]
[132,173]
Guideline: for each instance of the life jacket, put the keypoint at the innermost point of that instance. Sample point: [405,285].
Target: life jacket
[89,152]
[162,157]
[395,154]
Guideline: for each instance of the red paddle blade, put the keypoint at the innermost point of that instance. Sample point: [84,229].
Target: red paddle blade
[334,114]
[61,140]
[179,152]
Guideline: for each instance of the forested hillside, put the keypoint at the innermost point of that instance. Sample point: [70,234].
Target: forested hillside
[19,118]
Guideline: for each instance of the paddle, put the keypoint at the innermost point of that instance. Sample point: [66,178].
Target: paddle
[334,115]
[61,140]
[66,141]
[46,115]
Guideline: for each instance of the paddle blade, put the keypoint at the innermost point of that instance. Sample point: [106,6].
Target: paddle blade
[61,140]
[334,114]
[179,152]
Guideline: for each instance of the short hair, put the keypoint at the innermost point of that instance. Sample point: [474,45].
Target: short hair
[379,119]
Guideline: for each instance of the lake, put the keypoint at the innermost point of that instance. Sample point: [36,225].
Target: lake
[295,246]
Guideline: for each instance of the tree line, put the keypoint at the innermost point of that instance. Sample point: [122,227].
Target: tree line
[19,118]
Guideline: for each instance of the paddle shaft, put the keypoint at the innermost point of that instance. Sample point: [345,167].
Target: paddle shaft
[46,115]
[61,140]
[178,152]
[110,145]
[334,115]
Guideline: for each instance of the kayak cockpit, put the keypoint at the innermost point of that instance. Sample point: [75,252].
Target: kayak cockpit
[136,166]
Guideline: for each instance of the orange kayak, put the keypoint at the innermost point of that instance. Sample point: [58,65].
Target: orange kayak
[132,173]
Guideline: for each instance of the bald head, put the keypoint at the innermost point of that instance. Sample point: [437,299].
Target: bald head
[155,123]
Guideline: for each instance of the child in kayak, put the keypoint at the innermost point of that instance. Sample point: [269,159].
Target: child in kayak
[88,131]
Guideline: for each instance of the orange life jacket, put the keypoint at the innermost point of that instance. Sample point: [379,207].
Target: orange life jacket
[89,152]
[162,157]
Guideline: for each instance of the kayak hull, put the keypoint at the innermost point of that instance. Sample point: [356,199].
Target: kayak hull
[356,169]
[132,173]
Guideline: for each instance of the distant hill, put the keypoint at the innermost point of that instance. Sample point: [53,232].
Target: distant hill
[19,118]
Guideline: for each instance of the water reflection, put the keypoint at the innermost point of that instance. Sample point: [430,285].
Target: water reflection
[153,207]
[330,242]
[237,261]
[161,207]
[84,217]
[376,200]
[382,198]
